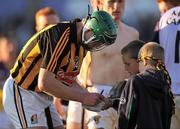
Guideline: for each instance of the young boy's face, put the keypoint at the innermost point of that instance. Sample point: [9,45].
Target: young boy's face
[130,64]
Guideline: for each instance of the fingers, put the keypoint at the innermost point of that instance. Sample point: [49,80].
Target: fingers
[97,102]
[97,98]
[108,103]
[100,98]
[94,98]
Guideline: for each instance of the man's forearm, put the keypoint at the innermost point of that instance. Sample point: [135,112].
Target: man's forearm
[56,88]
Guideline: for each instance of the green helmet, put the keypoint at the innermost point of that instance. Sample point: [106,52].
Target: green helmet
[104,31]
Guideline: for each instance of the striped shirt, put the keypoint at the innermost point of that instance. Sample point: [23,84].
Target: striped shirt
[54,48]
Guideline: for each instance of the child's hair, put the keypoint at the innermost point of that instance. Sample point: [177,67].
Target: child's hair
[133,48]
[154,54]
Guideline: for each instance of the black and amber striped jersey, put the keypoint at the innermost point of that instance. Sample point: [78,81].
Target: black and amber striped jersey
[54,48]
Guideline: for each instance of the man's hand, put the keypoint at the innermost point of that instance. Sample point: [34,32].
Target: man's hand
[108,103]
[92,99]
[103,104]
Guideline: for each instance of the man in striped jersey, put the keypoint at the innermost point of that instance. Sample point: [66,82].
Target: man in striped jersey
[48,65]
[44,17]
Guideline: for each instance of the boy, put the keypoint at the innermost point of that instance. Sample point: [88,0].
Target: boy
[129,55]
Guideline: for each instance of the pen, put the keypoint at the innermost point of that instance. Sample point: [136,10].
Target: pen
[102,92]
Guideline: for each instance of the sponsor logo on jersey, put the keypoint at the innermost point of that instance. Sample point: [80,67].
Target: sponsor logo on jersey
[34,119]
[67,77]
[174,18]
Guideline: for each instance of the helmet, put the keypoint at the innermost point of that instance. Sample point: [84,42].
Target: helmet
[103,31]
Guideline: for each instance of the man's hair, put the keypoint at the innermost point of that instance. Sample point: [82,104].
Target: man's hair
[45,11]
[133,48]
[153,52]
[172,2]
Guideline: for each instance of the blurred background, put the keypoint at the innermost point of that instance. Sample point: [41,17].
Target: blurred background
[17,18]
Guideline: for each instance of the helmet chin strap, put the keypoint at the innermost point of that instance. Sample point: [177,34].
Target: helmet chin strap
[82,30]
[83,42]
[88,44]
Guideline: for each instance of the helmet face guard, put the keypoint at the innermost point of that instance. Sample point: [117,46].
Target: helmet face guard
[103,31]
[92,44]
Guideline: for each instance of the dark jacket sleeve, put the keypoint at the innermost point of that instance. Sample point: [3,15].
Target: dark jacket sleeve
[116,92]
[128,106]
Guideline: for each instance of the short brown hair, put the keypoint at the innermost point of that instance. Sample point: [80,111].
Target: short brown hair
[132,48]
[45,11]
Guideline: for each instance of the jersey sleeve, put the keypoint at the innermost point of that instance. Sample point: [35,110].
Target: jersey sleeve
[50,44]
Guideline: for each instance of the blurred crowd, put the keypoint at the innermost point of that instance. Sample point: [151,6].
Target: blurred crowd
[20,21]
